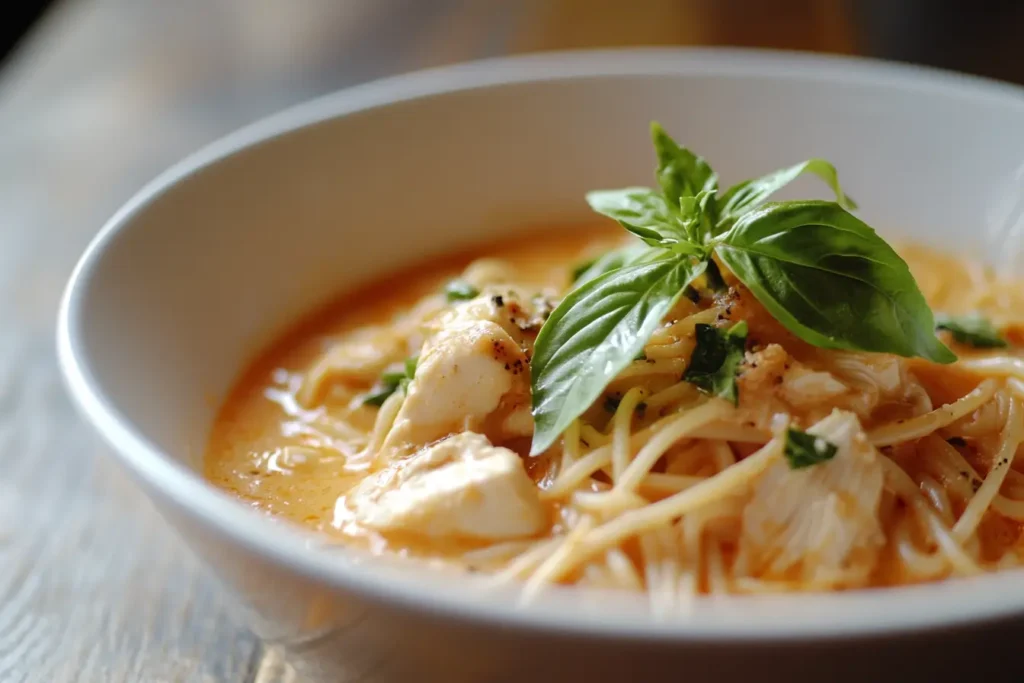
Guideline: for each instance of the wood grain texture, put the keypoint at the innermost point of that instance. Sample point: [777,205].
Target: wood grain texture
[93,585]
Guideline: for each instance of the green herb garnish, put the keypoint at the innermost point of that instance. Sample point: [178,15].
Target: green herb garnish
[803,449]
[830,280]
[592,336]
[609,261]
[391,380]
[972,330]
[716,360]
[821,272]
[460,290]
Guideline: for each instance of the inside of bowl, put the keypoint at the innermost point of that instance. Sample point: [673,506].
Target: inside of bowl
[201,273]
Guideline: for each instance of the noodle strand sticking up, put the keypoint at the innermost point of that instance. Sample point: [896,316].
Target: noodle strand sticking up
[656,515]
[972,514]
[669,434]
[940,418]
[622,424]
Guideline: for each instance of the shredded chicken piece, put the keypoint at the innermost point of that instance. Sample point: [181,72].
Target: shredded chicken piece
[473,374]
[819,524]
[772,383]
[516,311]
[489,271]
[806,389]
[461,486]
[878,379]
[359,358]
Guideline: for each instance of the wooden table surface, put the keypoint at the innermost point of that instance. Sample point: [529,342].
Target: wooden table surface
[104,95]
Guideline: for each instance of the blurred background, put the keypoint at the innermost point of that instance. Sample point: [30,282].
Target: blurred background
[97,96]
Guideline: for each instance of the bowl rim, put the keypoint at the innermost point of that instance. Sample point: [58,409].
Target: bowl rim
[855,614]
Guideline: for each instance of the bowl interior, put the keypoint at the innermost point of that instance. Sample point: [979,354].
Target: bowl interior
[215,259]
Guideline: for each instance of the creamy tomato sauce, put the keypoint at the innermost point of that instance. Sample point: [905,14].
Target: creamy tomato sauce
[261,417]
[287,456]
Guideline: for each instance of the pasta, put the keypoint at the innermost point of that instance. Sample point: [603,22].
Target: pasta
[658,487]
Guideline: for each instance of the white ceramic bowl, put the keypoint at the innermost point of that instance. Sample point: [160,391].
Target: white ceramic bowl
[215,258]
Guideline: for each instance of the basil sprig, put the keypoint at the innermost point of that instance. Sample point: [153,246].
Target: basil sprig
[646,214]
[821,272]
[750,194]
[617,258]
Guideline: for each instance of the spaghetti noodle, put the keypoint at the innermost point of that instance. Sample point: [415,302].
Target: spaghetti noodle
[657,487]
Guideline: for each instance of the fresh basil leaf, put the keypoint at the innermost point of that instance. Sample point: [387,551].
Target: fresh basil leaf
[697,216]
[395,377]
[644,213]
[831,280]
[596,331]
[681,173]
[617,258]
[804,450]
[716,360]
[748,195]
[972,330]
[460,290]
